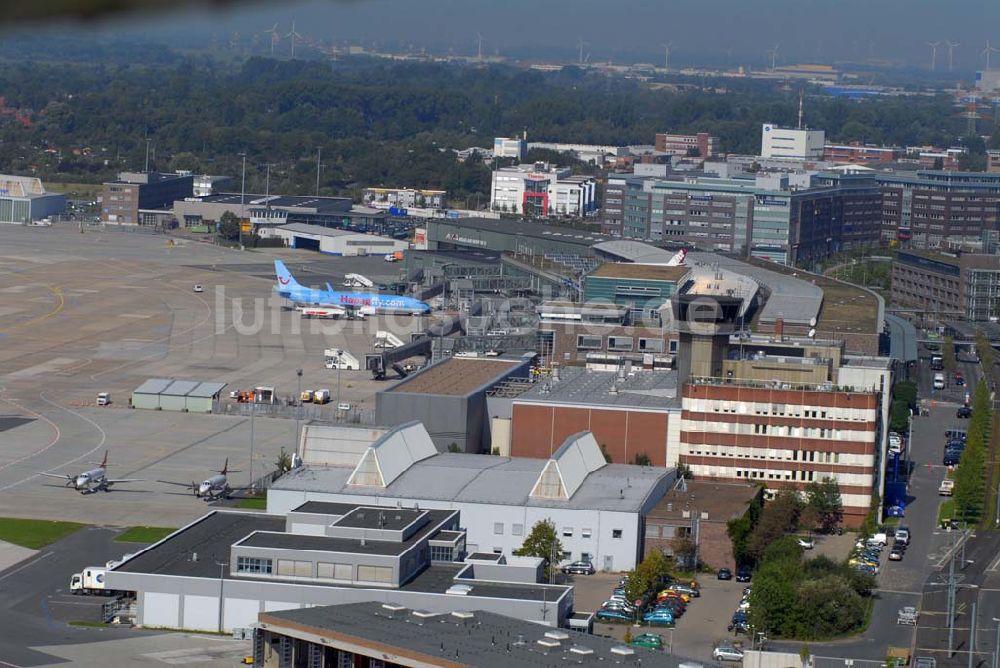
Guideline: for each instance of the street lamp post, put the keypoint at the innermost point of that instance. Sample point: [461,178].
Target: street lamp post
[222,584]
[243,194]
[298,408]
[253,410]
[996,648]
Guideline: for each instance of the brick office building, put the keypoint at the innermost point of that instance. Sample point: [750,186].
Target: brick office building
[701,511]
[932,207]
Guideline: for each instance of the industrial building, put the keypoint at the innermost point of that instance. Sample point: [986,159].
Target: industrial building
[334,241]
[449,398]
[23,200]
[948,284]
[597,507]
[265,212]
[404,198]
[373,634]
[189,396]
[633,415]
[700,510]
[798,143]
[122,199]
[509,236]
[219,572]
[540,190]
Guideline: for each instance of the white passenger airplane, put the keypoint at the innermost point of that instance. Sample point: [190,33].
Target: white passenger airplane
[678,259]
[95,480]
[211,488]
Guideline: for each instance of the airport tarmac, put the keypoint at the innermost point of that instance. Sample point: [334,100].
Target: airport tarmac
[102,311]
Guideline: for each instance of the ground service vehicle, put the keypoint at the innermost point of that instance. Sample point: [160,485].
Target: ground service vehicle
[321,397]
[103,399]
[89,581]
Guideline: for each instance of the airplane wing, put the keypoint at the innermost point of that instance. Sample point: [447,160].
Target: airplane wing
[61,476]
[189,485]
[112,481]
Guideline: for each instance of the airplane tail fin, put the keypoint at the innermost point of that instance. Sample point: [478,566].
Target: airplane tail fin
[285,277]
[104,462]
[225,467]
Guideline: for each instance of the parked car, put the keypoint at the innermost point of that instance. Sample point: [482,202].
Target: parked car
[613,616]
[902,535]
[673,605]
[806,543]
[648,640]
[579,568]
[743,573]
[951,458]
[947,487]
[896,554]
[198,287]
[963,412]
[727,652]
[693,592]
[658,617]
[740,622]
[959,379]
[725,574]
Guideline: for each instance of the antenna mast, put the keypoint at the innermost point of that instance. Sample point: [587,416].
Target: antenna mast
[801,95]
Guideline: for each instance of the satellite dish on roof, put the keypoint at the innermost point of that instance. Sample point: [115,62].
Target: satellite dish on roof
[812,333]
[812,321]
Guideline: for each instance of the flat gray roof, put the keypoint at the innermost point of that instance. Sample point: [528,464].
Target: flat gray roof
[206,390]
[306,228]
[577,385]
[180,388]
[153,386]
[467,478]
[902,338]
[794,300]
[487,640]
[325,508]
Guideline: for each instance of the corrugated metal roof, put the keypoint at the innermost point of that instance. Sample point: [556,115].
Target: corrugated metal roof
[206,390]
[180,388]
[153,386]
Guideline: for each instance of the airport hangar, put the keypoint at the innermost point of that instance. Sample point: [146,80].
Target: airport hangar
[333,241]
[598,508]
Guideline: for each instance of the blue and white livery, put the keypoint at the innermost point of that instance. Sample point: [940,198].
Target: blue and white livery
[290,289]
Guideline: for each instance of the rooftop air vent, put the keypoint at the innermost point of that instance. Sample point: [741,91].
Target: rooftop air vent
[458,590]
[462,614]
[393,607]
[622,650]
[557,635]
[580,650]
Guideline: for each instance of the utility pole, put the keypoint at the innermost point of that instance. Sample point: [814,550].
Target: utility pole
[243,195]
[319,153]
[222,585]
[146,169]
[340,364]
[267,181]
[951,607]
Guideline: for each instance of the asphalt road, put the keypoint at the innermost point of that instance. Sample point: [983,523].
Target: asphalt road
[902,583]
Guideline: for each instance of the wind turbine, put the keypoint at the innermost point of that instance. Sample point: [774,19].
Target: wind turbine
[479,53]
[987,51]
[934,46]
[951,53]
[666,54]
[580,44]
[275,38]
[293,36]
[773,53]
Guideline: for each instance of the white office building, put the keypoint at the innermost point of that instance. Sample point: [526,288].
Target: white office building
[778,142]
[542,190]
[598,508]
[510,147]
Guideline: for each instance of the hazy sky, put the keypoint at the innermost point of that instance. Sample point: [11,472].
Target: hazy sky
[732,30]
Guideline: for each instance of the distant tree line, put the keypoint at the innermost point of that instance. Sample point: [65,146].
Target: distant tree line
[384,123]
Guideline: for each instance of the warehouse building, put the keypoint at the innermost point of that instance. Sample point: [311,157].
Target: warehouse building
[219,572]
[371,634]
[509,236]
[335,241]
[190,396]
[23,199]
[449,398]
[598,508]
[634,416]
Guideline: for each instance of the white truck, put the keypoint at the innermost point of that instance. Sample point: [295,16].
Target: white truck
[939,381]
[89,581]
[337,358]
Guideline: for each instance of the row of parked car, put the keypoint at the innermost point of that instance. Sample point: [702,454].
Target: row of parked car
[954,446]
[867,553]
[655,608]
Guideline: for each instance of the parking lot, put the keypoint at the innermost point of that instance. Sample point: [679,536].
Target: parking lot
[701,626]
[104,311]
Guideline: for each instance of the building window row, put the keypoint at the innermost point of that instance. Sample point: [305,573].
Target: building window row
[253,565]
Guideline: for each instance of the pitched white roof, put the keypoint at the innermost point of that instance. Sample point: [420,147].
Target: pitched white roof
[391,455]
[566,471]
